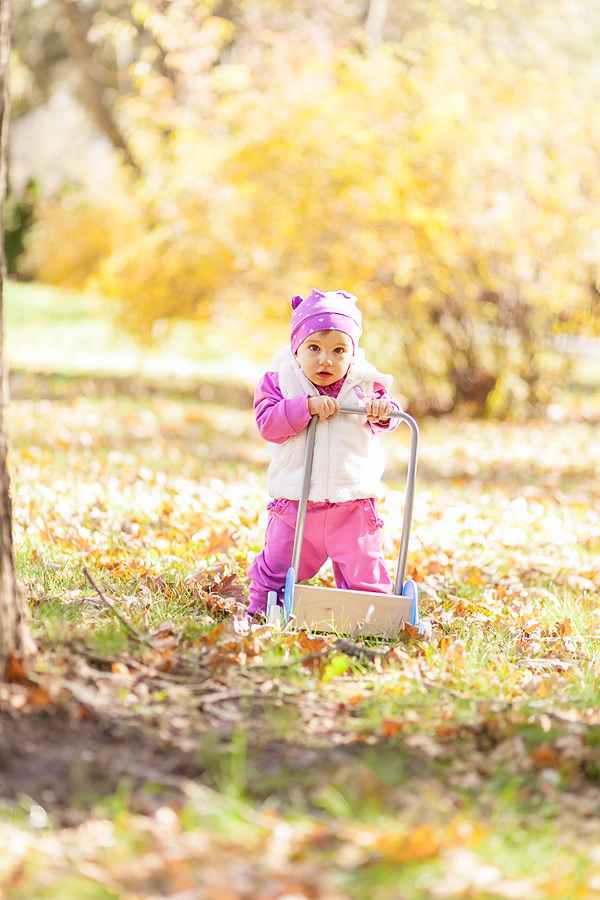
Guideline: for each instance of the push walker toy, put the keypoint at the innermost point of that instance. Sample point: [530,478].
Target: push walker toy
[327,609]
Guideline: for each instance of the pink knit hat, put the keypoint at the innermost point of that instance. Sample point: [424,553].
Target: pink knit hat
[325,311]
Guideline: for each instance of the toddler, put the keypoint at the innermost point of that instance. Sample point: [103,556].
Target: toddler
[322,369]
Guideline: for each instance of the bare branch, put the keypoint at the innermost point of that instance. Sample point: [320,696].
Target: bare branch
[130,628]
[94,79]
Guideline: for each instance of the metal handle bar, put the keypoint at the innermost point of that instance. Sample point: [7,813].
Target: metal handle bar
[408,502]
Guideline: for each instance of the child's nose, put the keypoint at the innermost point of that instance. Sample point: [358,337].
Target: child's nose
[325,357]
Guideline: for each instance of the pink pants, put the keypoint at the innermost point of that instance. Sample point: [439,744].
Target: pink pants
[347,533]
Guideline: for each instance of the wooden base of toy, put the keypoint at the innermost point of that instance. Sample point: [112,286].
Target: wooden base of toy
[361,613]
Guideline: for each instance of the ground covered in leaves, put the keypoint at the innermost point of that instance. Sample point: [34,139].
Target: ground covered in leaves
[165,747]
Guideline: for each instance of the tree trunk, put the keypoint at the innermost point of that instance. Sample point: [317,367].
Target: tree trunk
[375,23]
[94,84]
[15,638]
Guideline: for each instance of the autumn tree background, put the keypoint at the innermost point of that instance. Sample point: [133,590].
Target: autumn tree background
[213,158]
[178,169]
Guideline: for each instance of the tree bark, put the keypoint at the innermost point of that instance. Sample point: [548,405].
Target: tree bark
[15,638]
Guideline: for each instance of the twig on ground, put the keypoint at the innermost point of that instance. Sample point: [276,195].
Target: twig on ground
[499,706]
[557,715]
[226,696]
[360,651]
[130,628]
[310,657]
[342,645]
[144,669]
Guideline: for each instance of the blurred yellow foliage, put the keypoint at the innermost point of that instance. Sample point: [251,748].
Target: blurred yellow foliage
[72,239]
[452,191]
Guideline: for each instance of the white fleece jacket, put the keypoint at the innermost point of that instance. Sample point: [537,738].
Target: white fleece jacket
[348,459]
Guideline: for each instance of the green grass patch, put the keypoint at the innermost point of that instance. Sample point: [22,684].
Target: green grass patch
[65,332]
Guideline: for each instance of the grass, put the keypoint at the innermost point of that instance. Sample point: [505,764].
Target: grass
[466,767]
[68,333]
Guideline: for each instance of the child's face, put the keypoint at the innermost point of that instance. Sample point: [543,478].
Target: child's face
[325,357]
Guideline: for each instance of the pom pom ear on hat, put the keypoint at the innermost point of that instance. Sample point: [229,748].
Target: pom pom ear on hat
[323,311]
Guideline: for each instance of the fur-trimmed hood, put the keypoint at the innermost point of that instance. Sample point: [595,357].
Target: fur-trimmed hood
[360,371]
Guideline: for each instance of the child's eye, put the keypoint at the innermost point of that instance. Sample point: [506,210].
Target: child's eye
[340,350]
[314,347]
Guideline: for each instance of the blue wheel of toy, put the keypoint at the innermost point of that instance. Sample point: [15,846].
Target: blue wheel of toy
[411,590]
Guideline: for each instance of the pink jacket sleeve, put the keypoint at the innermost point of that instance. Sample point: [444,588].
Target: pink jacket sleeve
[277,418]
[380,393]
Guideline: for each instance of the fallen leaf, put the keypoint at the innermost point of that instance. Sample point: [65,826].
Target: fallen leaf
[546,757]
[390,727]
